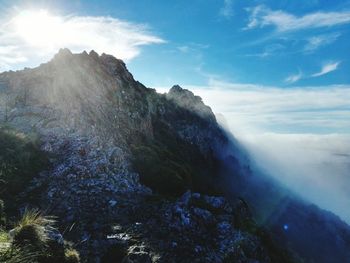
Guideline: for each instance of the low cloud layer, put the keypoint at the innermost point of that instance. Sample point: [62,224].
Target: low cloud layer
[300,136]
[314,166]
[31,36]
[273,109]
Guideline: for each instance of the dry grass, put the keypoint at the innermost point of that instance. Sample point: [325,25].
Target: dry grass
[36,218]
[71,256]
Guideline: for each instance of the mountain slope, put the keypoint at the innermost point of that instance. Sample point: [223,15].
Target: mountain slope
[122,159]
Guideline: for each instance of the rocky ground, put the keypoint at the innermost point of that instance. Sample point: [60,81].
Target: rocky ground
[111,217]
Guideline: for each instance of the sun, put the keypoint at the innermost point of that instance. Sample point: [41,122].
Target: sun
[39,28]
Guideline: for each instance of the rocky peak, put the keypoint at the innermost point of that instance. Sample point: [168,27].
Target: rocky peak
[91,61]
[63,53]
[176,89]
[186,99]
[94,54]
[115,66]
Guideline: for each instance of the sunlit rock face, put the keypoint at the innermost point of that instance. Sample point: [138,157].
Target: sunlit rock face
[97,95]
[89,93]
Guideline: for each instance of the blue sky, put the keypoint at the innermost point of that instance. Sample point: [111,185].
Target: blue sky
[203,42]
[211,38]
[218,38]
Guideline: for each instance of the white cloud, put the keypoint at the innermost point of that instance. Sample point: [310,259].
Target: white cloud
[316,42]
[327,68]
[261,16]
[299,135]
[269,50]
[39,34]
[294,77]
[226,11]
[253,107]
[312,165]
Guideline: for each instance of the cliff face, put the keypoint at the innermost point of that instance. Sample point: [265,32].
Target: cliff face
[132,173]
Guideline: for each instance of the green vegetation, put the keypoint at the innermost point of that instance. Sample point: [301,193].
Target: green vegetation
[170,166]
[20,161]
[159,171]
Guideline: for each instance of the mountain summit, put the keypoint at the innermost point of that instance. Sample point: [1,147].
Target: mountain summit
[138,176]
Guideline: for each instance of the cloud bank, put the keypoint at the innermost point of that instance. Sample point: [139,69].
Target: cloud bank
[250,107]
[30,35]
[300,136]
[314,166]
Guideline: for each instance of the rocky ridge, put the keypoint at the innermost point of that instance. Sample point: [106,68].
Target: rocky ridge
[93,118]
[134,175]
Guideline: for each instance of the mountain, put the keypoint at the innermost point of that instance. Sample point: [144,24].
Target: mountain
[138,176]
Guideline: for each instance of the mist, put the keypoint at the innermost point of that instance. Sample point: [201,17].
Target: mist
[317,167]
[299,136]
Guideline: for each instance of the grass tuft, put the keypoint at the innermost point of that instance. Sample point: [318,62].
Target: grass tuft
[71,256]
